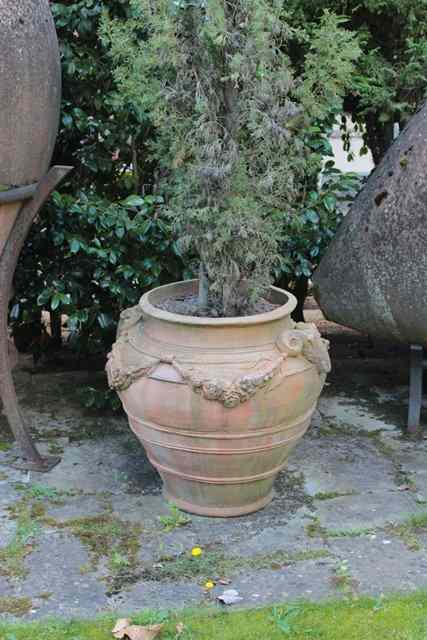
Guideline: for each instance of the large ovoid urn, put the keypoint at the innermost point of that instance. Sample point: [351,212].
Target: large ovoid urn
[217,403]
[30,94]
[373,275]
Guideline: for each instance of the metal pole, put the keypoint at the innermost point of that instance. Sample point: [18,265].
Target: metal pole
[415,388]
[8,261]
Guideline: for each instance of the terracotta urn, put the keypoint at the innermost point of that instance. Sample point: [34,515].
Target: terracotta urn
[218,403]
[30,96]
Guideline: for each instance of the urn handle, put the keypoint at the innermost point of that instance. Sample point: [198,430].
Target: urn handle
[129,319]
[304,339]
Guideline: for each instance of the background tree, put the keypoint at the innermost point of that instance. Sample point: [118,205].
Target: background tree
[390,79]
[104,139]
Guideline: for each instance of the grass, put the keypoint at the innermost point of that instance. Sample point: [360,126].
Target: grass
[36,491]
[174,519]
[408,530]
[40,491]
[214,564]
[397,618]
[343,580]
[349,533]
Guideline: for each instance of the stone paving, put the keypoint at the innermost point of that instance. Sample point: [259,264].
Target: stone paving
[89,537]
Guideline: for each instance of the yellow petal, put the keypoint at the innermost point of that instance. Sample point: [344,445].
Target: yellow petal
[196,551]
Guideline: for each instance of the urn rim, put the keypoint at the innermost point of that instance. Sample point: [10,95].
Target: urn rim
[149,299]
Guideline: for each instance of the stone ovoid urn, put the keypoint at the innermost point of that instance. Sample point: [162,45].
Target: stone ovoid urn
[30,96]
[373,276]
[218,403]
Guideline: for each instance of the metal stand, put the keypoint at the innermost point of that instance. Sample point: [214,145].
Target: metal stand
[34,197]
[418,364]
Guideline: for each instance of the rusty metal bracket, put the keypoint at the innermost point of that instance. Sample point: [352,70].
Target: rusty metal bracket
[35,196]
[20,193]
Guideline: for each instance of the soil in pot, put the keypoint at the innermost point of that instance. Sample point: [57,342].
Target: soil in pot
[189,306]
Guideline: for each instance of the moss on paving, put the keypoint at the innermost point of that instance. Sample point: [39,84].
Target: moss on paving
[45,595]
[316,530]
[407,531]
[349,533]
[401,618]
[29,514]
[12,556]
[105,535]
[15,606]
[55,449]
[331,429]
[331,495]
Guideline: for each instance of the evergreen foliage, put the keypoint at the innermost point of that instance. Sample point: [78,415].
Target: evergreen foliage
[234,126]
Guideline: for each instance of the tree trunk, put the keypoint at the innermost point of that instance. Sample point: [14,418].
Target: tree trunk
[56,329]
[380,136]
[135,167]
[203,288]
[299,288]
[300,291]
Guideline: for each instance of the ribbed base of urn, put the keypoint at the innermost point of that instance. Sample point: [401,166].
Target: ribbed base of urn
[218,512]
[219,474]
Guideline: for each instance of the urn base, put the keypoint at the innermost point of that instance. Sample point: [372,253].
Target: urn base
[218,512]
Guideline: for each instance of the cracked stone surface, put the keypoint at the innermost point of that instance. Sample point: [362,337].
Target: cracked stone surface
[367,510]
[353,473]
[380,564]
[342,467]
[55,569]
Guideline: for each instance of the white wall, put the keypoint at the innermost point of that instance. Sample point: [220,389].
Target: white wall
[360,164]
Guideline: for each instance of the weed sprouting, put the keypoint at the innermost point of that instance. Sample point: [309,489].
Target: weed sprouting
[174,519]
